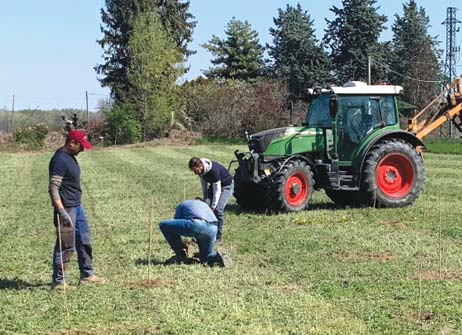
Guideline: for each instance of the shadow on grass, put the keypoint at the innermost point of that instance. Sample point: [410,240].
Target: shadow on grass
[154,261]
[331,206]
[236,209]
[18,284]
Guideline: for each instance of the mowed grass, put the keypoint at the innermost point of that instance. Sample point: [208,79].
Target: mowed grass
[324,271]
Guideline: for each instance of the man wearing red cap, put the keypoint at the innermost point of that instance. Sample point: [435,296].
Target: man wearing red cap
[73,232]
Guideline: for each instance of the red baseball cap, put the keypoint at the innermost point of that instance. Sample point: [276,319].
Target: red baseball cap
[79,136]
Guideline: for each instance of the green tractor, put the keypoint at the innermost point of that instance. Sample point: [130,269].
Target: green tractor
[351,146]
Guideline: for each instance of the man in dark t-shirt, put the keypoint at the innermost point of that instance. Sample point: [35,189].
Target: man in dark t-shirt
[217,187]
[71,224]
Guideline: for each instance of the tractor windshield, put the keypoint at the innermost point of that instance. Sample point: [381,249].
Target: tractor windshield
[318,112]
[360,115]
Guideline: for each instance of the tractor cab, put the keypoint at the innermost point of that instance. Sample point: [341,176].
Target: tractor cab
[359,109]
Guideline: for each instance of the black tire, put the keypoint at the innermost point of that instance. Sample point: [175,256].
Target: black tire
[393,174]
[291,188]
[249,196]
[344,198]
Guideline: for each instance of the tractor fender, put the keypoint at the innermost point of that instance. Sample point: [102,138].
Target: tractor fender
[398,134]
[307,160]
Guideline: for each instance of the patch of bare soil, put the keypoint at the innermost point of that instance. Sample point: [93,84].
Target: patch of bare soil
[106,331]
[290,288]
[156,282]
[175,138]
[422,255]
[365,256]
[393,224]
[178,137]
[424,317]
[437,275]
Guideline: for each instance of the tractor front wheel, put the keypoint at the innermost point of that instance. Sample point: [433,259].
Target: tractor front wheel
[291,188]
[393,174]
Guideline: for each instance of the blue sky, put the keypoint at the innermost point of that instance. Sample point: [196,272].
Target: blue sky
[49,47]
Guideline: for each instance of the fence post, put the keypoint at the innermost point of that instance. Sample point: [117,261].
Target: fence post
[12,115]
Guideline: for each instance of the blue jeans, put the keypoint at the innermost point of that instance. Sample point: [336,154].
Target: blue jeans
[73,238]
[205,234]
[226,193]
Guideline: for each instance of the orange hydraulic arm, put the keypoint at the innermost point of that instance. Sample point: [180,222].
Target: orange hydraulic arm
[452,110]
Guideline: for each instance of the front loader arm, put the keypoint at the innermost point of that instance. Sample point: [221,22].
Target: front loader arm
[450,111]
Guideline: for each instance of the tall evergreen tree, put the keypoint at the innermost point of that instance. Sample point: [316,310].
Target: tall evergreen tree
[353,36]
[415,61]
[298,59]
[118,17]
[178,21]
[239,56]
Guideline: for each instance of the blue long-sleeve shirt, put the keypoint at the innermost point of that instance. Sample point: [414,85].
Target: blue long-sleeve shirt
[195,209]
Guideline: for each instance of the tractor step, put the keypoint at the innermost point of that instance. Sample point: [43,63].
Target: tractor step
[341,180]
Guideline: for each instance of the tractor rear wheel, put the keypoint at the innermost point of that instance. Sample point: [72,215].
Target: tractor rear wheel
[291,187]
[248,195]
[393,174]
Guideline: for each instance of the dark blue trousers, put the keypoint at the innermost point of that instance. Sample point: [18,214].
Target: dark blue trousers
[75,238]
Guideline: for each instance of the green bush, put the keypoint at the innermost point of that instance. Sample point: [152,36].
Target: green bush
[220,140]
[121,127]
[31,137]
[448,146]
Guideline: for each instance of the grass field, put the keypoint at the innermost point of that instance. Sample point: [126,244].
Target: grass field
[323,271]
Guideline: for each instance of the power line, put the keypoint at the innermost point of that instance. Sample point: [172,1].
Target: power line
[387,67]
[70,100]
[100,94]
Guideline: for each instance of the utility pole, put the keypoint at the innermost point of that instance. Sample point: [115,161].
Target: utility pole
[88,114]
[12,115]
[368,70]
[451,48]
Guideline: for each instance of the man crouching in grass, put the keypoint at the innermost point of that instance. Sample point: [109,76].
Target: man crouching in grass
[69,217]
[193,218]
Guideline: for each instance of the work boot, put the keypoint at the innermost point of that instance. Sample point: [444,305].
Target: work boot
[177,259]
[221,259]
[224,260]
[93,279]
[62,286]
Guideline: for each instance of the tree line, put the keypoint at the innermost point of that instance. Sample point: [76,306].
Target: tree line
[145,46]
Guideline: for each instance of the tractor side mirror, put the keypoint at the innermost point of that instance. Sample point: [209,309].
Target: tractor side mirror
[333,105]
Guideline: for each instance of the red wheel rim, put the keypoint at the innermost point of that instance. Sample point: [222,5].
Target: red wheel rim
[296,189]
[395,175]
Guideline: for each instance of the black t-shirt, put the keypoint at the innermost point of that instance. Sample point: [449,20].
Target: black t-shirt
[64,165]
[218,173]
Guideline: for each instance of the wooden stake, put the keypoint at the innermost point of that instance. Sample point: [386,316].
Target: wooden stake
[184,190]
[150,238]
[419,248]
[440,244]
[66,307]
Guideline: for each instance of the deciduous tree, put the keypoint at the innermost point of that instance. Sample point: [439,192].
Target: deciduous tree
[156,65]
